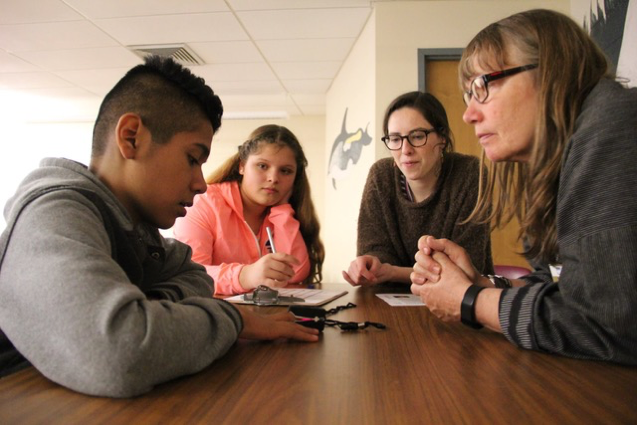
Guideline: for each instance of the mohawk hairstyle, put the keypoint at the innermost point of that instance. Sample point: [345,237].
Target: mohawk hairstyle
[167,96]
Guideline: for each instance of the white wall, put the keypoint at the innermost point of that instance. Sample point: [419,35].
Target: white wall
[353,90]
[27,139]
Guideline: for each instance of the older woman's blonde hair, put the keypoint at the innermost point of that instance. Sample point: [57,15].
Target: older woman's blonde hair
[301,199]
[570,64]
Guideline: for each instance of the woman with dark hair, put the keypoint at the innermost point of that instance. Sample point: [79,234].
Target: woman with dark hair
[425,188]
[559,136]
[263,186]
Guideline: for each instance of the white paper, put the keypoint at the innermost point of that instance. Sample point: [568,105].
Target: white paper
[401,300]
[312,297]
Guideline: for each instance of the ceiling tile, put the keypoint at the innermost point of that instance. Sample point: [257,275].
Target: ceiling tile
[30,11]
[103,57]
[259,106]
[227,52]
[94,80]
[235,72]
[306,70]
[323,49]
[52,36]
[295,4]
[305,23]
[260,55]
[313,109]
[174,28]
[246,88]
[308,99]
[31,80]
[10,63]
[126,8]
[257,102]
[307,86]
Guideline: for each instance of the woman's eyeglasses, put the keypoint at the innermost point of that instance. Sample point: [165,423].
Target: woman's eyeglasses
[479,89]
[416,138]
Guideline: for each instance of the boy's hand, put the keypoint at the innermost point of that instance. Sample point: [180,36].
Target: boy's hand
[274,326]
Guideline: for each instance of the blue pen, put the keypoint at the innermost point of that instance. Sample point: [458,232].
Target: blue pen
[271,239]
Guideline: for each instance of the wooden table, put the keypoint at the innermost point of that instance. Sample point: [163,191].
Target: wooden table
[419,370]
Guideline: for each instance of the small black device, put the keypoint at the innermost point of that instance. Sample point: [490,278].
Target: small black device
[310,317]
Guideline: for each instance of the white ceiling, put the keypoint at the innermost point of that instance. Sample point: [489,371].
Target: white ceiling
[263,57]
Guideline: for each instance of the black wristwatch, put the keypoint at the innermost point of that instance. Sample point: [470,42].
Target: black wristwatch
[468,307]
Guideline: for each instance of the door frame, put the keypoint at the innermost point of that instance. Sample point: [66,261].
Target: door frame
[425,55]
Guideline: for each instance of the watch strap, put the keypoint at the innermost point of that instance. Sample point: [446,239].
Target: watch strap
[468,307]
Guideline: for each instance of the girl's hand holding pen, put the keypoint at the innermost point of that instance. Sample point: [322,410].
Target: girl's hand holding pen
[272,270]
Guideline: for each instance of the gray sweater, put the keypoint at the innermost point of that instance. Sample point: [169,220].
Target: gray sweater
[93,303]
[389,225]
[592,312]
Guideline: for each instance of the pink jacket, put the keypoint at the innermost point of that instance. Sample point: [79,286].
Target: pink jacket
[223,242]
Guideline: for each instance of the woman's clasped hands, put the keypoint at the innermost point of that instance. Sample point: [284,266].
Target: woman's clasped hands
[442,273]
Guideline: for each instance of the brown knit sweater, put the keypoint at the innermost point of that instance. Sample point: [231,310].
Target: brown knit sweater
[389,225]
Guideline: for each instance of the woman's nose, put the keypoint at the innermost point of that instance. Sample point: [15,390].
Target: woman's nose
[407,148]
[471,115]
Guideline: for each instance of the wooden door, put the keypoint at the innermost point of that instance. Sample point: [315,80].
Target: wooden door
[442,82]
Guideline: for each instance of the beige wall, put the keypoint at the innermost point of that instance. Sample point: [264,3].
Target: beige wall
[353,90]
[382,65]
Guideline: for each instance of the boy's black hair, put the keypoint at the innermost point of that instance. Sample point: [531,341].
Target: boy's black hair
[167,96]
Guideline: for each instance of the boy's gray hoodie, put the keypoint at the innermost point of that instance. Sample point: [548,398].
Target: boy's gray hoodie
[93,303]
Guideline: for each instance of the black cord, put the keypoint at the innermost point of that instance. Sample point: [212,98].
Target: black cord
[339,308]
[353,326]
[319,318]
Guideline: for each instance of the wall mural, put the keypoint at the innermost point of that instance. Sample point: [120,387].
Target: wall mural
[612,23]
[347,148]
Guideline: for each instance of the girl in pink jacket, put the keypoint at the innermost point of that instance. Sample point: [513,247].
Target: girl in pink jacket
[263,185]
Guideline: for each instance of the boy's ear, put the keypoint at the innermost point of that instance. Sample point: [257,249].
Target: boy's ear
[127,132]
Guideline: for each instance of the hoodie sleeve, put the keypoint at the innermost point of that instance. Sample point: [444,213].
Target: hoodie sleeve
[288,239]
[72,311]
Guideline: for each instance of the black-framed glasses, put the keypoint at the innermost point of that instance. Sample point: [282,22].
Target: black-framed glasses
[479,89]
[416,138]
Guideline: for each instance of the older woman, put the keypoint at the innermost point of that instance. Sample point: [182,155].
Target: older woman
[424,188]
[562,138]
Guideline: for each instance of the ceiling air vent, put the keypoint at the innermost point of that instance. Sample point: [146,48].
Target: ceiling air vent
[179,52]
